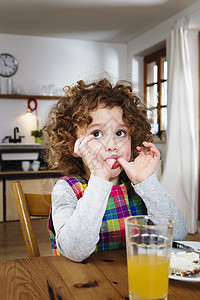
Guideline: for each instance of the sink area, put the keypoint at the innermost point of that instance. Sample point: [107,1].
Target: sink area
[19,151]
[19,146]
[20,156]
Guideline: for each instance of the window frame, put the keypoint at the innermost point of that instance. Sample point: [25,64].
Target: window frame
[155,57]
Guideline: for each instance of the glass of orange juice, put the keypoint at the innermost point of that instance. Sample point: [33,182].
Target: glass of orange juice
[148,246]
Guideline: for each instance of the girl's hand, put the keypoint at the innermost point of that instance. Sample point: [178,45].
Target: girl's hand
[89,150]
[143,165]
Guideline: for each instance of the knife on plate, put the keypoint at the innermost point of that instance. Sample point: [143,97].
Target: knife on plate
[184,247]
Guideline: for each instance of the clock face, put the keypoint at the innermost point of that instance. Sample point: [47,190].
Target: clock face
[8,65]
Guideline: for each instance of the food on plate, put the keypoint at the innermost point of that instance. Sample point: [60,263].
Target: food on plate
[184,263]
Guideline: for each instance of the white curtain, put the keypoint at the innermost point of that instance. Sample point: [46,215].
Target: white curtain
[181,168]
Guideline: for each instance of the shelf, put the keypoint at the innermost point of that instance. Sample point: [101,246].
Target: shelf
[13,96]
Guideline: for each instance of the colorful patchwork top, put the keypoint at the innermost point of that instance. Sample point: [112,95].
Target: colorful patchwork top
[122,202]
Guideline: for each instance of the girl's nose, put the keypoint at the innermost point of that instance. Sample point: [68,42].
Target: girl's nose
[111,145]
[111,148]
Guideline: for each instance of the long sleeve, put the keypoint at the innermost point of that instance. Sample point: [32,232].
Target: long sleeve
[159,203]
[77,222]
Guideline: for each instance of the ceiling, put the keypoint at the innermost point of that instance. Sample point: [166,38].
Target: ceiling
[118,21]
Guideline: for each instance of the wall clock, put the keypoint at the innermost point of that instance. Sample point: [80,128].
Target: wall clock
[8,65]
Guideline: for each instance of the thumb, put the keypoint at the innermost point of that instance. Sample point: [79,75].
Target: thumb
[110,162]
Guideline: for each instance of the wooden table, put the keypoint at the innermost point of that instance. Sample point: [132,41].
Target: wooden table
[102,276]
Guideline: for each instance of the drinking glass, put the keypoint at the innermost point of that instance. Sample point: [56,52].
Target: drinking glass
[35,165]
[25,165]
[148,246]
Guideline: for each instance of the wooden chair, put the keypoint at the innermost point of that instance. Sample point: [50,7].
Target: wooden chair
[30,205]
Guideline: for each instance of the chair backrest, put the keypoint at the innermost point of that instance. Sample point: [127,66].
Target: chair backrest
[30,205]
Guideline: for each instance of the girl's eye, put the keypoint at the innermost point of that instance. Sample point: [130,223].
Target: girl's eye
[97,134]
[121,133]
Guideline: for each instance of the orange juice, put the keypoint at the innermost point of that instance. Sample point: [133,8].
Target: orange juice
[148,276]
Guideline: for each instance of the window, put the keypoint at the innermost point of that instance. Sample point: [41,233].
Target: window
[155,91]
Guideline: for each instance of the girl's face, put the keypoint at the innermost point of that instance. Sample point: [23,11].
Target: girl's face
[111,132]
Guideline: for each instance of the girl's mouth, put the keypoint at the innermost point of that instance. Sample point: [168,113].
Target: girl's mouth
[114,156]
[116,163]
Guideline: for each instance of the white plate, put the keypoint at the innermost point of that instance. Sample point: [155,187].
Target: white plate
[194,278]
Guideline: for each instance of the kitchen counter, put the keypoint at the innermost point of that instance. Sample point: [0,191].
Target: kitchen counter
[17,175]
[12,155]
[20,146]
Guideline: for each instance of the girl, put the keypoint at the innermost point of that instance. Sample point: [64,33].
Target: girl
[99,136]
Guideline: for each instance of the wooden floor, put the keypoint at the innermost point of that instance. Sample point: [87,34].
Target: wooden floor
[12,243]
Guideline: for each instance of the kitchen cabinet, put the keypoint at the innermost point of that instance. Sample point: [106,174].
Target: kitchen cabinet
[29,186]
[32,182]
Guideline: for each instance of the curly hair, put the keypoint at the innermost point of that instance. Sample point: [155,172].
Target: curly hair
[73,111]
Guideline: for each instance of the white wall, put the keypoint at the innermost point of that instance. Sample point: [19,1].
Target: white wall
[155,39]
[44,61]
[150,39]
